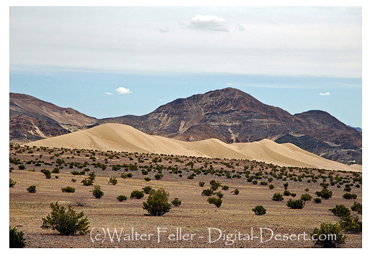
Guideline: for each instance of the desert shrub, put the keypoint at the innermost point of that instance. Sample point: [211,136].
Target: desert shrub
[296,204]
[201,184]
[176,202]
[157,203]
[214,184]
[216,201]
[147,189]
[293,194]
[306,197]
[16,239]
[190,177]
[158,176]
[87,182]
[68,189]
[219,194]
[263,183]
[259,210]
[92,176]
[207,192]
[254,182]
[21,167]
[357,207]
[124,175]
[78,173]
[271,186]
[144,172]
[66,222]
[347,189]
[287,193]
[121,198]
[225,187]
[324,193]
[277,197]
[11,183]
[73,180]
[55,170]
[129,175]
[147,179]
[113,181]
[137,194]
[285,185]
[235,191]
[317,200]
[46,173]
[97,192]
[349,196]
[351,224]
[340,211]
[31,189]
[331,232]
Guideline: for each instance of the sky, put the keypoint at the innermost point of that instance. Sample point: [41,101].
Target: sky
[114,61]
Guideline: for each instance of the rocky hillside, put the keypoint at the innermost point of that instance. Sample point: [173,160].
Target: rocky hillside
[32,119]
[234,116]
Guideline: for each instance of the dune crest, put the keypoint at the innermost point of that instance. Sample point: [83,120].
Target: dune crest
[119,137]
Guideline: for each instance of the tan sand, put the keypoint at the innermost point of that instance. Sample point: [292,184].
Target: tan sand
[119,137]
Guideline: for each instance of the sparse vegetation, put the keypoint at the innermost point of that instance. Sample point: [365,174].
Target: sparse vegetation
[332,233]
[97,192]
[340,211]
[176,202]
[68,189]
[296,204]
[16,238]
[137,194]
[259,210]
[31,189]
[66,222]
[157,203]
[277,197]
[121,198]
[216,201]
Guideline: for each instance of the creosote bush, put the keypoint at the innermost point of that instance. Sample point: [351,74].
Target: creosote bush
[296,204]
[113,181]
[340,211]
[16,239]
[306,197]
[235,191]
[11,183]
[216,201]
[121,198]
[324,193]
[357,207]
[147,189]
[277,197]
[351,224]
[326,231]
[66,222]
[259,210]
[137,194]
[207,192]
[201,184]
[349,196]
[176,202]
[97,192]
[68,189]
[317,200]
[157,202]
[31,189]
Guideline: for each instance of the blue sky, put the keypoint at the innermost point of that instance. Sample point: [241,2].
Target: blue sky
[108,62]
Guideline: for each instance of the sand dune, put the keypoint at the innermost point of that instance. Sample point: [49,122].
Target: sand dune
[118,137]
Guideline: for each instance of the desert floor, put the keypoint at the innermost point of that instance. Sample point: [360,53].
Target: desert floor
[195,215]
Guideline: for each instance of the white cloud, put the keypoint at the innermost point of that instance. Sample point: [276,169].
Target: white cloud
[209,23]
[108,93]
[228,84]
[122,90]
[324,94]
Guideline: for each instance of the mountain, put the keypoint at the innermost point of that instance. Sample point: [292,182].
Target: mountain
[119,137]
[229,115]
[32,119]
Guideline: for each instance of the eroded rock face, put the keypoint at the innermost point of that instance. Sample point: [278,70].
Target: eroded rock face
[32,119]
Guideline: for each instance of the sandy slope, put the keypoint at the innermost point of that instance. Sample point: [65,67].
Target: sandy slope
[118,137]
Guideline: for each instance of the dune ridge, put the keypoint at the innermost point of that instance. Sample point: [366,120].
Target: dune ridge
[120,137]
